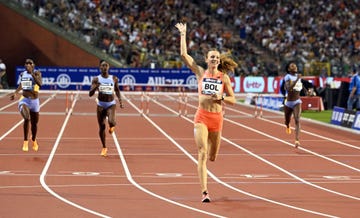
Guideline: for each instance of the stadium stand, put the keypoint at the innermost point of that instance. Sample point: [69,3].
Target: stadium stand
[261,34]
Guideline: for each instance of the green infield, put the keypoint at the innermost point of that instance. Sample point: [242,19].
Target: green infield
[323,116]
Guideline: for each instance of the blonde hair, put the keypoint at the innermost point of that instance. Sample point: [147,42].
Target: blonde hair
[227,64]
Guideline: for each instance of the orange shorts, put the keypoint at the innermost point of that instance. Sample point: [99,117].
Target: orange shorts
[213,120]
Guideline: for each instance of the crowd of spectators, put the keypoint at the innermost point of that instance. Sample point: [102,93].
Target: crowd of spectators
[141,33]
[260,34]
[302,30]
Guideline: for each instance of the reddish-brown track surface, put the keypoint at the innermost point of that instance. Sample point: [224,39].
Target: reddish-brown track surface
[151,167]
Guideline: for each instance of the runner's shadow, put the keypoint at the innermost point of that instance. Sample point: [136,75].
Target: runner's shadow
[235,199]
[38,159]
[112,157]
[232,203]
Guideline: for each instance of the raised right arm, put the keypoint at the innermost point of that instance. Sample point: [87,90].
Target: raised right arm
[189,61]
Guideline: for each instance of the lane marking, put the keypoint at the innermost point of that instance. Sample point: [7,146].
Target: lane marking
[86,173]
[337,177]
[132,181]
[170,175]
[21,121]
[5,172]
[218,180]
[254,176]
[51,157]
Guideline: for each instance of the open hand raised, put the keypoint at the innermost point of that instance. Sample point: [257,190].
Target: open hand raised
[181,27]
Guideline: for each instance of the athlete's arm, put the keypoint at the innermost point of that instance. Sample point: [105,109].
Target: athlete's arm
[117,91]
[94,86]
[37,77]
[189,61]
[230,96]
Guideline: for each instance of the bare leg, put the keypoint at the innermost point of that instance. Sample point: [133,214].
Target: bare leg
[101,116]
[34,121]
[214,145]
[297,113]
[287,113]
[201,140]
[111,115]
[25,113]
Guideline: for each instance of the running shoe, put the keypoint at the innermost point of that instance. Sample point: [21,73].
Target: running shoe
[25,146]
[104,152]
[205,197]
[288,130]
[111,129]
[35,146]
[297,143]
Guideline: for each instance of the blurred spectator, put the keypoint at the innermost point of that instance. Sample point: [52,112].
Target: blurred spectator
[134,32]
[3,77]
[306,32]
[354,89]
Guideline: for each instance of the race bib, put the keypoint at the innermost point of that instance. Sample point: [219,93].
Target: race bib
[298,86]
[211,86]
[26,84]
[107,89]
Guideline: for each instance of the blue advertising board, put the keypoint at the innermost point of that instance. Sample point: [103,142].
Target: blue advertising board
[270,102]
[70,78]
[337,115]
[356,124]
[347,118]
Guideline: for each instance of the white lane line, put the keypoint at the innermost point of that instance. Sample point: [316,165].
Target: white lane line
[301,148]
[21,121]
[281,124]
[287,172]
[282,169]
[9,105]
[130,178]
[48,162]
[285,142]
[302,131]
[215,177]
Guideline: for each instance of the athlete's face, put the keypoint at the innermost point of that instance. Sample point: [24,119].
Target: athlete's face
[29,65]
[213,58]
[293,68]
[104,67]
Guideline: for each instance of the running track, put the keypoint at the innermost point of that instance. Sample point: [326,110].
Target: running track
[151,167]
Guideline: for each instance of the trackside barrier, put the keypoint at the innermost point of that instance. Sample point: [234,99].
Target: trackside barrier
[259,102]
[144,103]
[69,98]
[312,103]
[264,101]
[182,100]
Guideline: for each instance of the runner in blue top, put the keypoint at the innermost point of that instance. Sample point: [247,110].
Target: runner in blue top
[107,86]
[293,87]
[29,105]
[354,89]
